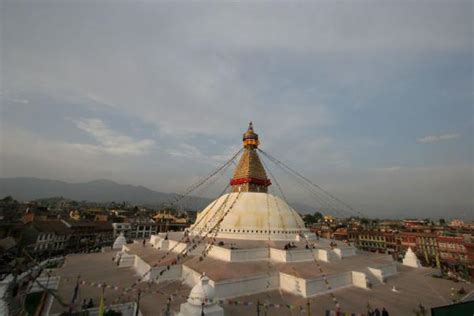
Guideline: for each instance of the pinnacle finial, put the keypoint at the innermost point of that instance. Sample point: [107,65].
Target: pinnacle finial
[250,138]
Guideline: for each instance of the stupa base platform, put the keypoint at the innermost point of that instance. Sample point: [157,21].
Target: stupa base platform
[239,268]
[414,286]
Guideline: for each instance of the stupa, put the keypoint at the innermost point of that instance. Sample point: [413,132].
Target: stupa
[119,242]
[201,300]
[255,213]
[254,248]
[411,260]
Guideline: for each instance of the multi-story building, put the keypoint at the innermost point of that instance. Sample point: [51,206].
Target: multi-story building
[427,249]
[46,237]
[372,241]
[168,222]
[407,240]
[120,228]
[413,223]
[455,255]
[86,235]
[392,244]
[142,228]
[341,234]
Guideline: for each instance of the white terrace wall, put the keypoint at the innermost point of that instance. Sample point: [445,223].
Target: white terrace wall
[126,260]
[292,284]
[174,273]
[238,255]
[154,239]
[298,255]
[383,272]
[141,267]
[220,253]
[359,279]
[347,252]
[278,255]
[318,286]
[246,286]
[242,255]
[191,277]
[312,287]
[324,255]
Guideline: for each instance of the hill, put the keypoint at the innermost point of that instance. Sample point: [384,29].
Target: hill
[93,191]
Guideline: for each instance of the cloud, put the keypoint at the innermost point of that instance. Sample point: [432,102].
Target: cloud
[191,76]
[388,169]
[190,152]
[214,62]
[110,141]
[13,99]
[437,138]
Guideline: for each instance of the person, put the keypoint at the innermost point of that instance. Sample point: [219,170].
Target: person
[84,304]
[376,312]
[384,312]
[144,242]
[90,304]
[306,246]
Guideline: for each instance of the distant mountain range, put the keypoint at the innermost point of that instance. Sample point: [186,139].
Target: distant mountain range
[26,189]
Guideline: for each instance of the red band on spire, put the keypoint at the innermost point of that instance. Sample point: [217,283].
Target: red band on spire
[264,182]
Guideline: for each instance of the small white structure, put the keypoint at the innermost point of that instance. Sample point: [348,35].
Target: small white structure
[119,242]
[201,300]
[411,260]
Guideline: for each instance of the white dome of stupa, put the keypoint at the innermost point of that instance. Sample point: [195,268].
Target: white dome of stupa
[254,215]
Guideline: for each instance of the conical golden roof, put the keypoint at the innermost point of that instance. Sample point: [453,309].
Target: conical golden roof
[250,175]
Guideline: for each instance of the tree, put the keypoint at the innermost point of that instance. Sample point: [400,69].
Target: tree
[318,216]
[311,219]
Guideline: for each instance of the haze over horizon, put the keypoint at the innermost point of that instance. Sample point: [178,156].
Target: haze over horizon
[373,101]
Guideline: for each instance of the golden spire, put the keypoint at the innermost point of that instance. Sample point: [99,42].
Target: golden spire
[250,176]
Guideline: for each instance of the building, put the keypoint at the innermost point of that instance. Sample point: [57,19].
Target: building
[427,249]
[413,223]
[407,240]
[457,223]
[456,255]
[121,228]
[341,234]
[86,235]
[166,221]
[141,228]
[46,238]
[374,241]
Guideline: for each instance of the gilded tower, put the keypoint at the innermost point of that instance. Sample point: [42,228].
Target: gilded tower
[250,176]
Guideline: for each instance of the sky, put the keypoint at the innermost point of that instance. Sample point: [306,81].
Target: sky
[371,100]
